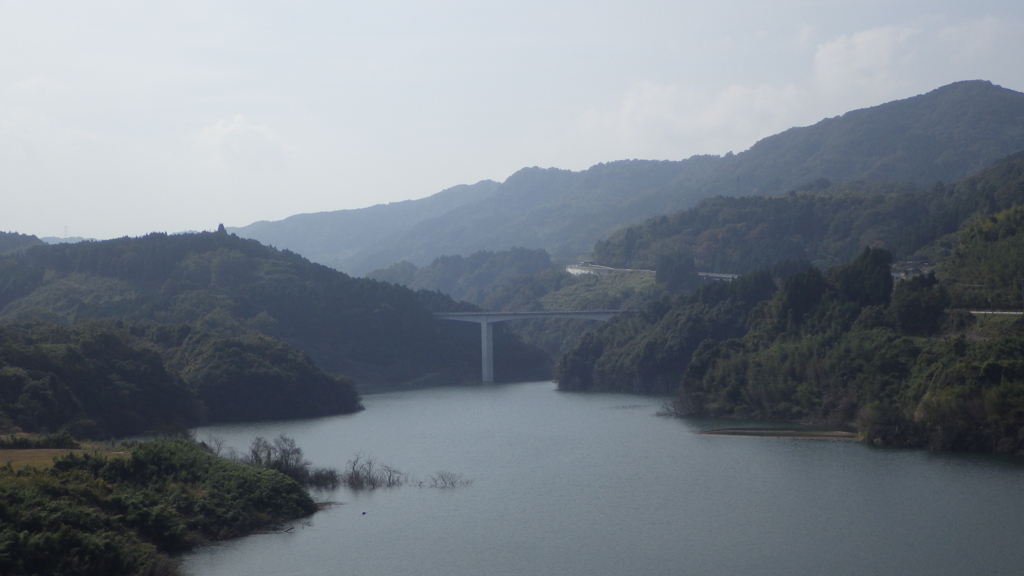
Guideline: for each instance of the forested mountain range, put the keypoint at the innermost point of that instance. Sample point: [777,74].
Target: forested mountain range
[519,280]
[373,331]
[10,241]
[943,135]
[826,226]
[333,238]
[471,278]
[839,343]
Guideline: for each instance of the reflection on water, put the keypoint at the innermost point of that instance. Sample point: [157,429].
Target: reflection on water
[599,485]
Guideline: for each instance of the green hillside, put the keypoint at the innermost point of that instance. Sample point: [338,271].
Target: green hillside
[471,278]
[520,280]
[943,135]
[901,363]
[12,241]
[827,226]
[333,238]
[986,268]
[91,515]
[374,332]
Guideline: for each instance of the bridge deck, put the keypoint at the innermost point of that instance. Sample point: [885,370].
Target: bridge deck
[487,319]
[504,316]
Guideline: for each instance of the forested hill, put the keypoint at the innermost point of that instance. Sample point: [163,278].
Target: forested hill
[472,278]
[826,226]
[13,241]
[218,283]
[332,238]
[902,362]
[944,135]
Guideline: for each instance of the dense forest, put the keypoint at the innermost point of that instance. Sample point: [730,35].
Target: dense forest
[843,347]
[372,331]
[986,268]
[647,351]
[103,379]
[471,278]
[822,223]
[12,241]
[92,515]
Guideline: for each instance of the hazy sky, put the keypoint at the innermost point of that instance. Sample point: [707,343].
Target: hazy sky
[121,118]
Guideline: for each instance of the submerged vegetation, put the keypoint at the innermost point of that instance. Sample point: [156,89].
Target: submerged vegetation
[285,457]
[364,473]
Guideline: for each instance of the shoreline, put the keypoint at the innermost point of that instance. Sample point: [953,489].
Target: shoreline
[783,433]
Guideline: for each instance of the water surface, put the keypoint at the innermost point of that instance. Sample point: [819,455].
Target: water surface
[598,484]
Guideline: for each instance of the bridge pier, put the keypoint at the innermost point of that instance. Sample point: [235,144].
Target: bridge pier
[487,350]
[487,320]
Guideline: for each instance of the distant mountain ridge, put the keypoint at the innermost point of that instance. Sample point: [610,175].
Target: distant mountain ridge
[945,134]
[330,238]
[11,241]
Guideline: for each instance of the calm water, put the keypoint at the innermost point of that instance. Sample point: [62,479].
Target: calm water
[574,484]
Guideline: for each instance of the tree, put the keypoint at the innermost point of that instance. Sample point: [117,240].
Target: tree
[678,272]
[918,305]
[867,280]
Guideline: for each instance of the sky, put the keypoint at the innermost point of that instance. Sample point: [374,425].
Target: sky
[122,118]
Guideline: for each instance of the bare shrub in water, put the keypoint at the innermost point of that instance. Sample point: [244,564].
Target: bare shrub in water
[285,457]
[362,473]
[445,479]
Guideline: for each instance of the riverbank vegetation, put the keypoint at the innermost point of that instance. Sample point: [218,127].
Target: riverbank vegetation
[106,516]
[285,457]
[104,379]
[824,224]
[903,363]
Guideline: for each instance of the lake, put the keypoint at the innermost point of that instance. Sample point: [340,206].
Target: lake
[599,484]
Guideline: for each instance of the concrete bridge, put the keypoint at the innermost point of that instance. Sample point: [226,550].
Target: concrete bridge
[486,321]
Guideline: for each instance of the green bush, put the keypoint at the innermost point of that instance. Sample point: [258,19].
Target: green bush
[92,515]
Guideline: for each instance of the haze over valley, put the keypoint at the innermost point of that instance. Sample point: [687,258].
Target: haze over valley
[471,289]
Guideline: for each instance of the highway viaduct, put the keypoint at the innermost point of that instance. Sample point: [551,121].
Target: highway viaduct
[488,319]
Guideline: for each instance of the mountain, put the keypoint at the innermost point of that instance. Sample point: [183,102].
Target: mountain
[331,238]
[943,135]
[241,291]
[471,278]
[11,241]
[900,361]
[827,226]
[65,239]
[977,217]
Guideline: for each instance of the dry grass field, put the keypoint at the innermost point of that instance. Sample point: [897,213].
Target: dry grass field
[43,457]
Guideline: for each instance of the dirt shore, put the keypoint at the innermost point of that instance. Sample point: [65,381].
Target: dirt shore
[782,433]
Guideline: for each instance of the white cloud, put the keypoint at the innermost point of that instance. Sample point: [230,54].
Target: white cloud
[976,39]
[870,60]
[653,118]
[852,70]
[241,145]
[32,117]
